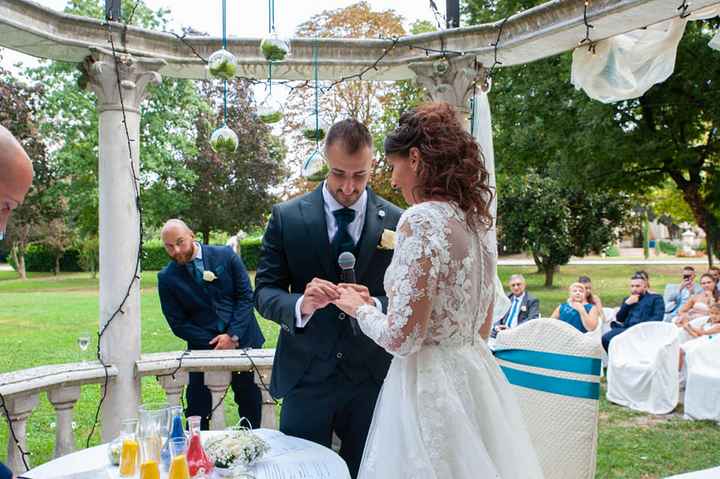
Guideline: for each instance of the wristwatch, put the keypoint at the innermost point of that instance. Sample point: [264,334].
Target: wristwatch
[235,340]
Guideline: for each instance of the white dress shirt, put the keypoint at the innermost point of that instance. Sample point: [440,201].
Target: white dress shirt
[355,228]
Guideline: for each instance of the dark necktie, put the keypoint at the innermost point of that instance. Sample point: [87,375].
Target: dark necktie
[343,241]
[196,271]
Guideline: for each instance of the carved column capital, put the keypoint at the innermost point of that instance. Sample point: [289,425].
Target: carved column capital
[136,73]
[451,79]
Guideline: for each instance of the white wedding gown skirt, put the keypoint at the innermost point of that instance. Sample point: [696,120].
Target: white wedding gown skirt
[448,413]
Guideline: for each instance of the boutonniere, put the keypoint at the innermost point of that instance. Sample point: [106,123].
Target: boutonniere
[523,308]
[387,240]
[209,276]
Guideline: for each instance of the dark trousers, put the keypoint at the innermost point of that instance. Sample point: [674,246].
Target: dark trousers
[313,410]
[607,337]
[5,473]
[247,397]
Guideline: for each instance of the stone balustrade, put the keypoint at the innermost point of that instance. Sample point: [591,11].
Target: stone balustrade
[63,382]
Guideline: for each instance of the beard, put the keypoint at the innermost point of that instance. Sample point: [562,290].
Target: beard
[184,258]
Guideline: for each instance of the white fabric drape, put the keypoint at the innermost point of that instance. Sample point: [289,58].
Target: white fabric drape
[626,66]
[482,131]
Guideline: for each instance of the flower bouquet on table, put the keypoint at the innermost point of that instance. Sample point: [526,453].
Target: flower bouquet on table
[235,450]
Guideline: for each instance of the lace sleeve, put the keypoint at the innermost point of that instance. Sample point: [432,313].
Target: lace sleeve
[413,286]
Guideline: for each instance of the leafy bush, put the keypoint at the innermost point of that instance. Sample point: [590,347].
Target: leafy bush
[667,248]
[612,251]
[40,258]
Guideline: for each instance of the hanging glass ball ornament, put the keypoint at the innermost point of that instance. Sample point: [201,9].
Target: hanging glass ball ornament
[314,128]
[224,141]
[315,167]
[275,48]
[222,65]
[270,110]
[441,66]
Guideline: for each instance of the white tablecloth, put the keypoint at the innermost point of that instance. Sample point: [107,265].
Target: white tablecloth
[288,458]
[704,474]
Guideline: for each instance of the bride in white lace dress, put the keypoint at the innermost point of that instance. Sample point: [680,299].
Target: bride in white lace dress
[446,410]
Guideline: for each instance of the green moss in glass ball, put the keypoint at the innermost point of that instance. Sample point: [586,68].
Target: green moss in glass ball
[271,117]
[224,141]
[314,134]
[223,65]
[274,48]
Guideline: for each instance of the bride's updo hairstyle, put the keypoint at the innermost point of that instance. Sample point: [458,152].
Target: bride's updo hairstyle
[451,165]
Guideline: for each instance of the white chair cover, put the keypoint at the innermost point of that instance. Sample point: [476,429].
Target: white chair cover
[609,314]
[643,368]
[555,371]
[702,389]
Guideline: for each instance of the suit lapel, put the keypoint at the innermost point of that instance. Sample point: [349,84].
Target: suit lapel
[371,233]
[312,209]
[183,272]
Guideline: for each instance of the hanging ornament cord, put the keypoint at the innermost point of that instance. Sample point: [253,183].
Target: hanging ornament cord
[224,43]
[317,95]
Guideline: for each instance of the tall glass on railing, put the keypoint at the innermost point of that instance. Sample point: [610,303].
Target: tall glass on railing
[200,464]
[178,463]
[129,449]
[175,429]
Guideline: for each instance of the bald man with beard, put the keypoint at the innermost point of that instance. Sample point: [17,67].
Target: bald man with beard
[16,173]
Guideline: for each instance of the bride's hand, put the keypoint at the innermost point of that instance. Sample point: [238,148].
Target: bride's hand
[350,300]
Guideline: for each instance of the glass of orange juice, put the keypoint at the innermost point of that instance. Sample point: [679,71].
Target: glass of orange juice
[178,464]
[129,457]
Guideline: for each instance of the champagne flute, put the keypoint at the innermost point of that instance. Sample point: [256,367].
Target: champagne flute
[83,341]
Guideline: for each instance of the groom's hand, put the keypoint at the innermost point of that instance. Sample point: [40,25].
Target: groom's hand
[318,294]
[223,341]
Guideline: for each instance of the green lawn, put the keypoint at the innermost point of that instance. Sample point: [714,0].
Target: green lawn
[41,318]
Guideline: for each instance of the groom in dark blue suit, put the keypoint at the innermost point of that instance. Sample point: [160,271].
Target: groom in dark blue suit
[328,376]
[207,299]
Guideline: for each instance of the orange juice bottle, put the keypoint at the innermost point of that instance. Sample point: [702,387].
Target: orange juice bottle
[150,470]
[129,456]
[179,468]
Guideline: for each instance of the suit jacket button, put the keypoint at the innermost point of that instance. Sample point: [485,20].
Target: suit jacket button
[341,316]
[339,355]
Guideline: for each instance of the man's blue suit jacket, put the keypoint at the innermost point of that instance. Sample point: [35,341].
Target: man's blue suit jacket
[197,313]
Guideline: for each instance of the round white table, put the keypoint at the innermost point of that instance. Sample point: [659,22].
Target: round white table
[289,458]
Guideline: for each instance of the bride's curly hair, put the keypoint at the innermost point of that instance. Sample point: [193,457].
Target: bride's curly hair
[451,164]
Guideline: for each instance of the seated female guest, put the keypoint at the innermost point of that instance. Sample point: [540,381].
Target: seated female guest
[710,328]
[699,305]
[577,311]
[591,298]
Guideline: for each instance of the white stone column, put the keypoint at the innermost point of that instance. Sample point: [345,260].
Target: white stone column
[63,400]
[217,382]
[174,386]
[269,419]
[19,408]
[451,80]
[119,229]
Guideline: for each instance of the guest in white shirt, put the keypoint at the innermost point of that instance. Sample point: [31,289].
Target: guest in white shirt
[523,306]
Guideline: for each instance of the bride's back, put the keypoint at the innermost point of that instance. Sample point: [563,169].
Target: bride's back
[463,289]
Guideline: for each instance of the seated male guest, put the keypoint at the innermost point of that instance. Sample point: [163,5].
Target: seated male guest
[639,307]
[207,300]
[5,473]
[523,306]
[678,297]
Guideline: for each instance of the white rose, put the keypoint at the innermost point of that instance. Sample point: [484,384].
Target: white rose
[387,241]
[209,276]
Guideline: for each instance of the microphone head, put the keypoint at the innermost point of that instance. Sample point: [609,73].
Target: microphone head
[346,260]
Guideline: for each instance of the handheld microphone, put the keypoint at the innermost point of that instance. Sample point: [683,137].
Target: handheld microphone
[346,261]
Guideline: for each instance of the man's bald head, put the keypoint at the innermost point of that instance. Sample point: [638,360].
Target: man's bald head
[16,174]
[178,240]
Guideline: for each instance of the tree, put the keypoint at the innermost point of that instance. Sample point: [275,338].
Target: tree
[555,222]
[19,113]
[360,99]
[69,112]
[58,237]
[669,134]
[232,191]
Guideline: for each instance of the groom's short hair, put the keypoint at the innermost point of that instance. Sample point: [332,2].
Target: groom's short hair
[353,135]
